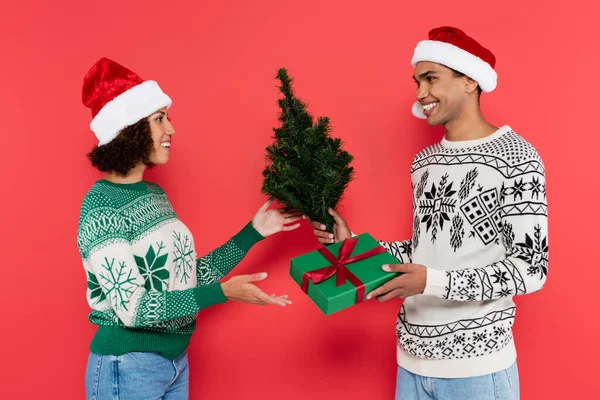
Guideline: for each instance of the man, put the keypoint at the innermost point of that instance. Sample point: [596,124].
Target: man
[479,234]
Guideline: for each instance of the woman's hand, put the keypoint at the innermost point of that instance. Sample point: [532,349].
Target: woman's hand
[268,222]
[239,288]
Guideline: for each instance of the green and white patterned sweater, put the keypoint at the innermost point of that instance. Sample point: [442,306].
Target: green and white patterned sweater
[145,283]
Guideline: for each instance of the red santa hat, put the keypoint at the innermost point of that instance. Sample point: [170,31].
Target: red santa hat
[118,98]
[452,48]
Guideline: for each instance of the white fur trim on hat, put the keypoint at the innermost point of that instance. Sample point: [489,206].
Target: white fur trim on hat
[128,108]
[458,59]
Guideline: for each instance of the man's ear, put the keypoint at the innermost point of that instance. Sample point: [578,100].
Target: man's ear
[471,85]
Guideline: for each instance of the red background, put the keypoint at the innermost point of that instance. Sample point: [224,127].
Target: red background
[351,61]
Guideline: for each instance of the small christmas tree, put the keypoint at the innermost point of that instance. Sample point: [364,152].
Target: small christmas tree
[308,170]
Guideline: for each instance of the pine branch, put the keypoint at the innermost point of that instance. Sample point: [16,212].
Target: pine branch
[308,170]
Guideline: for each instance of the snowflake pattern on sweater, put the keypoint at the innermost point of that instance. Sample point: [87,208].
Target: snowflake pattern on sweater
[480,227]
[140,260]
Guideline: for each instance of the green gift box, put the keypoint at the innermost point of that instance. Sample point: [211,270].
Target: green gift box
[341,275]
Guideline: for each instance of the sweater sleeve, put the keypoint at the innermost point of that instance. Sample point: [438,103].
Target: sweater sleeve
[219,262]
[523,270]
[401,250]
[114,277]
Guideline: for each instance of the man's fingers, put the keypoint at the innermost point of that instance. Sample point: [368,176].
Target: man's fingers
[396,268]
[390,295]
[337,217]
[324,237]
[385,288]
[322,234]
[317,225]
[377,292]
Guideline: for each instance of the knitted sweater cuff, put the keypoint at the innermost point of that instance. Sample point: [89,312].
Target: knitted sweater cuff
[437,282]
[247,237]
[209,295]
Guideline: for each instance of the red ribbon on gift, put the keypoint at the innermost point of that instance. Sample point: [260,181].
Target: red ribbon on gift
[339,269]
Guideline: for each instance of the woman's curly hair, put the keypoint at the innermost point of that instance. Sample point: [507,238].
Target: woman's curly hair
[133,145]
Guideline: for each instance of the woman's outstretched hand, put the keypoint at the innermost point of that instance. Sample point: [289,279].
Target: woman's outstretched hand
[268,222]
[240,288]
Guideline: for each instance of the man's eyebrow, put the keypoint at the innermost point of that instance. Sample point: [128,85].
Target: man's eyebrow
[424,75]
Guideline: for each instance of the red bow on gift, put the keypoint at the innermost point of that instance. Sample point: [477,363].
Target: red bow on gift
[339,269]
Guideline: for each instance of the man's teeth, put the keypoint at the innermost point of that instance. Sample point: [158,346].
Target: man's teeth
[429,106]
[166,144]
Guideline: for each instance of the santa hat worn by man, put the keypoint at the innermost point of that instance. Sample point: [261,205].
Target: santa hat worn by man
[452,48]
[118,98]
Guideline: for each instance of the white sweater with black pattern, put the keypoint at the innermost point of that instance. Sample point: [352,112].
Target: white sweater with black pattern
[481,228]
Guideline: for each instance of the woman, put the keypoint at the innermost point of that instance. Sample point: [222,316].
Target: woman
[145,284]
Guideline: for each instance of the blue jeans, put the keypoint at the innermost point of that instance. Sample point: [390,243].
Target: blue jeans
[501,385]
[133,376]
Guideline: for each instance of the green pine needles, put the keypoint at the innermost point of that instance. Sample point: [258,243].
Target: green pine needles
[309,171]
